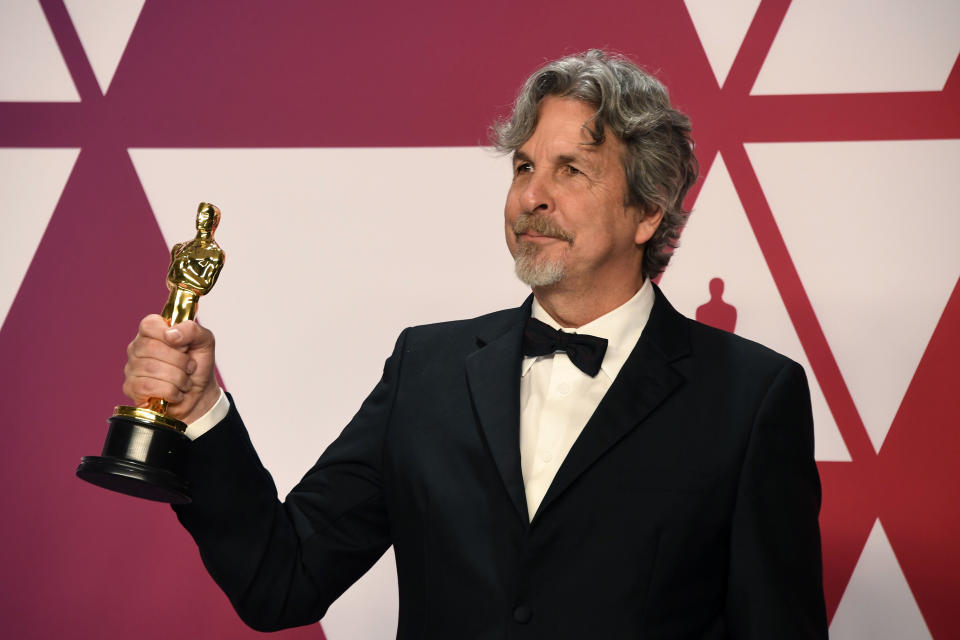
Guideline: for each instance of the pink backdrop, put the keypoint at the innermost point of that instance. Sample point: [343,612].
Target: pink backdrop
[828,138]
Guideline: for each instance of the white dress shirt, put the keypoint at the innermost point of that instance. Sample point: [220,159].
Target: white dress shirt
[210,419]
[557,399]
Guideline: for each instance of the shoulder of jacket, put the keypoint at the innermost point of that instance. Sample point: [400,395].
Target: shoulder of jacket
[469,327]
[705,337]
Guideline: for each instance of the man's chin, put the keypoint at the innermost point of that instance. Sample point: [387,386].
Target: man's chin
[538,273]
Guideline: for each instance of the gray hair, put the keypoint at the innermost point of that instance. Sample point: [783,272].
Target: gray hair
[658,159]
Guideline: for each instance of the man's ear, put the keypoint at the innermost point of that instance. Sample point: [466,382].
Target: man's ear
[647,224]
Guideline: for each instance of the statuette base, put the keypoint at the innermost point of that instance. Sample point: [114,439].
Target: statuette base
[143,456]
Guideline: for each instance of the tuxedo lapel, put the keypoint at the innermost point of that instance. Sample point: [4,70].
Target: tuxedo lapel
[493,376]
[645,381]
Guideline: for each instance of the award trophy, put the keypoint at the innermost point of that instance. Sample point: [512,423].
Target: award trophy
[145,449]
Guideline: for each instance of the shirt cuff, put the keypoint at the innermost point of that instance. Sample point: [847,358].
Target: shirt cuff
[210,419]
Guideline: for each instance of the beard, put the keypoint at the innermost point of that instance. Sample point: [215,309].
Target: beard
[533,269]
[535,272]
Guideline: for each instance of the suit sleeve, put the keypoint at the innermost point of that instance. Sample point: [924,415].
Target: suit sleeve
[283,564]
[776,577]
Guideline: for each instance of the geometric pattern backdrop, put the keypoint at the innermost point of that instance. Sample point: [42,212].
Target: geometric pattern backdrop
[344,143]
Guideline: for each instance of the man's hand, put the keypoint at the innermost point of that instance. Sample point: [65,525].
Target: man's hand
[173,363]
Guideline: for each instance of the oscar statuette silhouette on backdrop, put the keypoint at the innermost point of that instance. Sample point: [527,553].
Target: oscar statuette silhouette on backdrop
[145,449]
[717,312]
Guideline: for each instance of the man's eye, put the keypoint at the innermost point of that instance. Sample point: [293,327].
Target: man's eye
[573,170]
[523,167]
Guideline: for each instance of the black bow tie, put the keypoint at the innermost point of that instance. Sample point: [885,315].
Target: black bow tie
[586,352]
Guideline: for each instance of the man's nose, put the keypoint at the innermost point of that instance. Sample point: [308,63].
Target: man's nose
[537,195]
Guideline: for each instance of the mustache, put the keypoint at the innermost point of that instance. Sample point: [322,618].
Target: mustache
[542,225]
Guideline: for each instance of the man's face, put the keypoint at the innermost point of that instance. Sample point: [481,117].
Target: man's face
[566,217]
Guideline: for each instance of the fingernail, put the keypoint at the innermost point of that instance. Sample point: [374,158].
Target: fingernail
[173,335]
[191,367]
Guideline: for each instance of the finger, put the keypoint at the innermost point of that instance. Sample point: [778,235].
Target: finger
[140,388]
[153,326]
[143,348]
[159,370]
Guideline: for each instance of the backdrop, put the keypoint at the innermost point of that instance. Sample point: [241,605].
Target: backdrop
[344,143]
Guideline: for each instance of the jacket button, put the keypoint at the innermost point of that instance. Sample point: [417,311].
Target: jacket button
[522,614]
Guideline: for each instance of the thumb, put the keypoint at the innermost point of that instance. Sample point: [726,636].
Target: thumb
[188,334]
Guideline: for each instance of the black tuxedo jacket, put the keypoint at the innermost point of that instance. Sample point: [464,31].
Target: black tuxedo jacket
[687,508]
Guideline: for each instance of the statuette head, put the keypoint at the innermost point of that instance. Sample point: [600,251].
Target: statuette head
[208,217]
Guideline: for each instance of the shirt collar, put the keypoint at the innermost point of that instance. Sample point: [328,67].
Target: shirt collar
[621,327]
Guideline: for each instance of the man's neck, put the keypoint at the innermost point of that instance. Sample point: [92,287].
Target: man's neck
[572,308]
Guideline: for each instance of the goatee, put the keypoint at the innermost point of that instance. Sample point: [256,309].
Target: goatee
[529,267]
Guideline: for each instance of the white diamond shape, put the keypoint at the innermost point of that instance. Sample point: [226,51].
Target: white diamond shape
[862,46]
[718,242]
[368,240]
[33,180]
[334,240]
[104,28]
[872,228]
[878,603]
[721,27]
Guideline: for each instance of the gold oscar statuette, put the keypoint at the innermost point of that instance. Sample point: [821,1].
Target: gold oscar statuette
[144,452]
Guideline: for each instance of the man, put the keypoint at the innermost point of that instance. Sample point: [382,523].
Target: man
[655,480]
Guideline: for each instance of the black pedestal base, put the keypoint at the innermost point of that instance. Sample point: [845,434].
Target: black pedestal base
[140,459]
